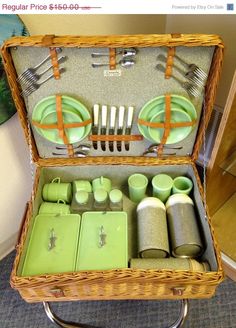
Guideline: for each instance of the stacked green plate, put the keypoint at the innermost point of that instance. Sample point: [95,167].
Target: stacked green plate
[73,111]
[182,110]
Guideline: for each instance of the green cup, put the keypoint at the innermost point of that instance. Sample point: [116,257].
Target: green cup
[137,187]
[162,184]
[182,185]
[81,185]
[56,190]
[101,183]
[54,208]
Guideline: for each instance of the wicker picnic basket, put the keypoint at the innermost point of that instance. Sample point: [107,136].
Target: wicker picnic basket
[117,283]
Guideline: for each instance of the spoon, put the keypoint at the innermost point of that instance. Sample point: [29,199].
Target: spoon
[125,53]
[125,62]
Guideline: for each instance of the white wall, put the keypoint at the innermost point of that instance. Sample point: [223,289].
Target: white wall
[15,182]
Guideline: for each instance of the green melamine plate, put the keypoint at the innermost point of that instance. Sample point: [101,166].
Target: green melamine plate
[69,103]
[155,105]
[52,247]
[73,134]
[176,134]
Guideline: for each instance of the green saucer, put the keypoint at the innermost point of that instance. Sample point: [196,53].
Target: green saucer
[176,134]
[68,103]
[73,134]
[156,105]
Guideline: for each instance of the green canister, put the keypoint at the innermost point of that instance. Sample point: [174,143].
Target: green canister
[169,264]
[183,227]
[152,229]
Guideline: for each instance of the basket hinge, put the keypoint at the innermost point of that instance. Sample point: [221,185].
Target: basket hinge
[47,40]
[57,292]
[178,291]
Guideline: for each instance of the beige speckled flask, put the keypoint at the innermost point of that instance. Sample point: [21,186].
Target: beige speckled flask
[152,229]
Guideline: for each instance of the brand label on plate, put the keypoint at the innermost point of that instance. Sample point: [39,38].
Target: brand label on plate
[114,72]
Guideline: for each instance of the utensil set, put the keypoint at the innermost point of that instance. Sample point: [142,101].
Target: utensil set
[29,78]
[194,75]
[126,61]
[115,121]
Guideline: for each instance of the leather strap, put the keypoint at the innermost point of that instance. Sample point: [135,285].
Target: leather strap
[54,60]
[101,137]
[60,123]
[66,126]
[112,58]
[47,40]
[162,125]
[169,62]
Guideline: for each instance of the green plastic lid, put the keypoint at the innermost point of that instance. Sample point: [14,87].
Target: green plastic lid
[100,195]
[81,197]
[115,196]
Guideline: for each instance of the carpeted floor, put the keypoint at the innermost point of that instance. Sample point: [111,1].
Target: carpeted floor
[218,312]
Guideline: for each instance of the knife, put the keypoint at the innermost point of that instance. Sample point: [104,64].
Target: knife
[104,126]
[112,126]
[129,124]
[120,125]
[95,124]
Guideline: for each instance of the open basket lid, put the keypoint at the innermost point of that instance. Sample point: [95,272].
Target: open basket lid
[76,86]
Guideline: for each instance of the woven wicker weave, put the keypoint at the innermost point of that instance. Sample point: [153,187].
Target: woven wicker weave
[122,283]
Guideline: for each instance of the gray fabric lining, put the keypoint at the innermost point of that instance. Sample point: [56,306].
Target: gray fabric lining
[135,87]
[119,176]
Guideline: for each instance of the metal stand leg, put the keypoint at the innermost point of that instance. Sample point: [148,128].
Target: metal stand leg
[65,324]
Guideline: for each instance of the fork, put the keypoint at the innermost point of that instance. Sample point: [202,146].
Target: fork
[189,87]
[35,86]
[33,78]
[32,70]
[190,75]
[194,68]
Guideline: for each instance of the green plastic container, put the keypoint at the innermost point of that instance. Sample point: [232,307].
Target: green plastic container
[103,241]
[53,245]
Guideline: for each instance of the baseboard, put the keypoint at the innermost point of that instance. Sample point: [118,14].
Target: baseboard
[8,245]
[229,266]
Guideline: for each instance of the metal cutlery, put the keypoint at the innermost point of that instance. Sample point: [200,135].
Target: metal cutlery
[32,70]
[120,128]
[35,86]
[79,153]
[188,86]
[34,77]
[83,147]
[112,126]
[124,62]
[104,126]
[95,124]
[127,52]
[129,123]
[194,68]
[190,75]
[153,149]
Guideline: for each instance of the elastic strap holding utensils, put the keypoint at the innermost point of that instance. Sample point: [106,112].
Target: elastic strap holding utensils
[169,62]
[112,58]
[114,137]
[55,64]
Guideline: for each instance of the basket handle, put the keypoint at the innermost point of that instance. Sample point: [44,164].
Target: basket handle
[65,324]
